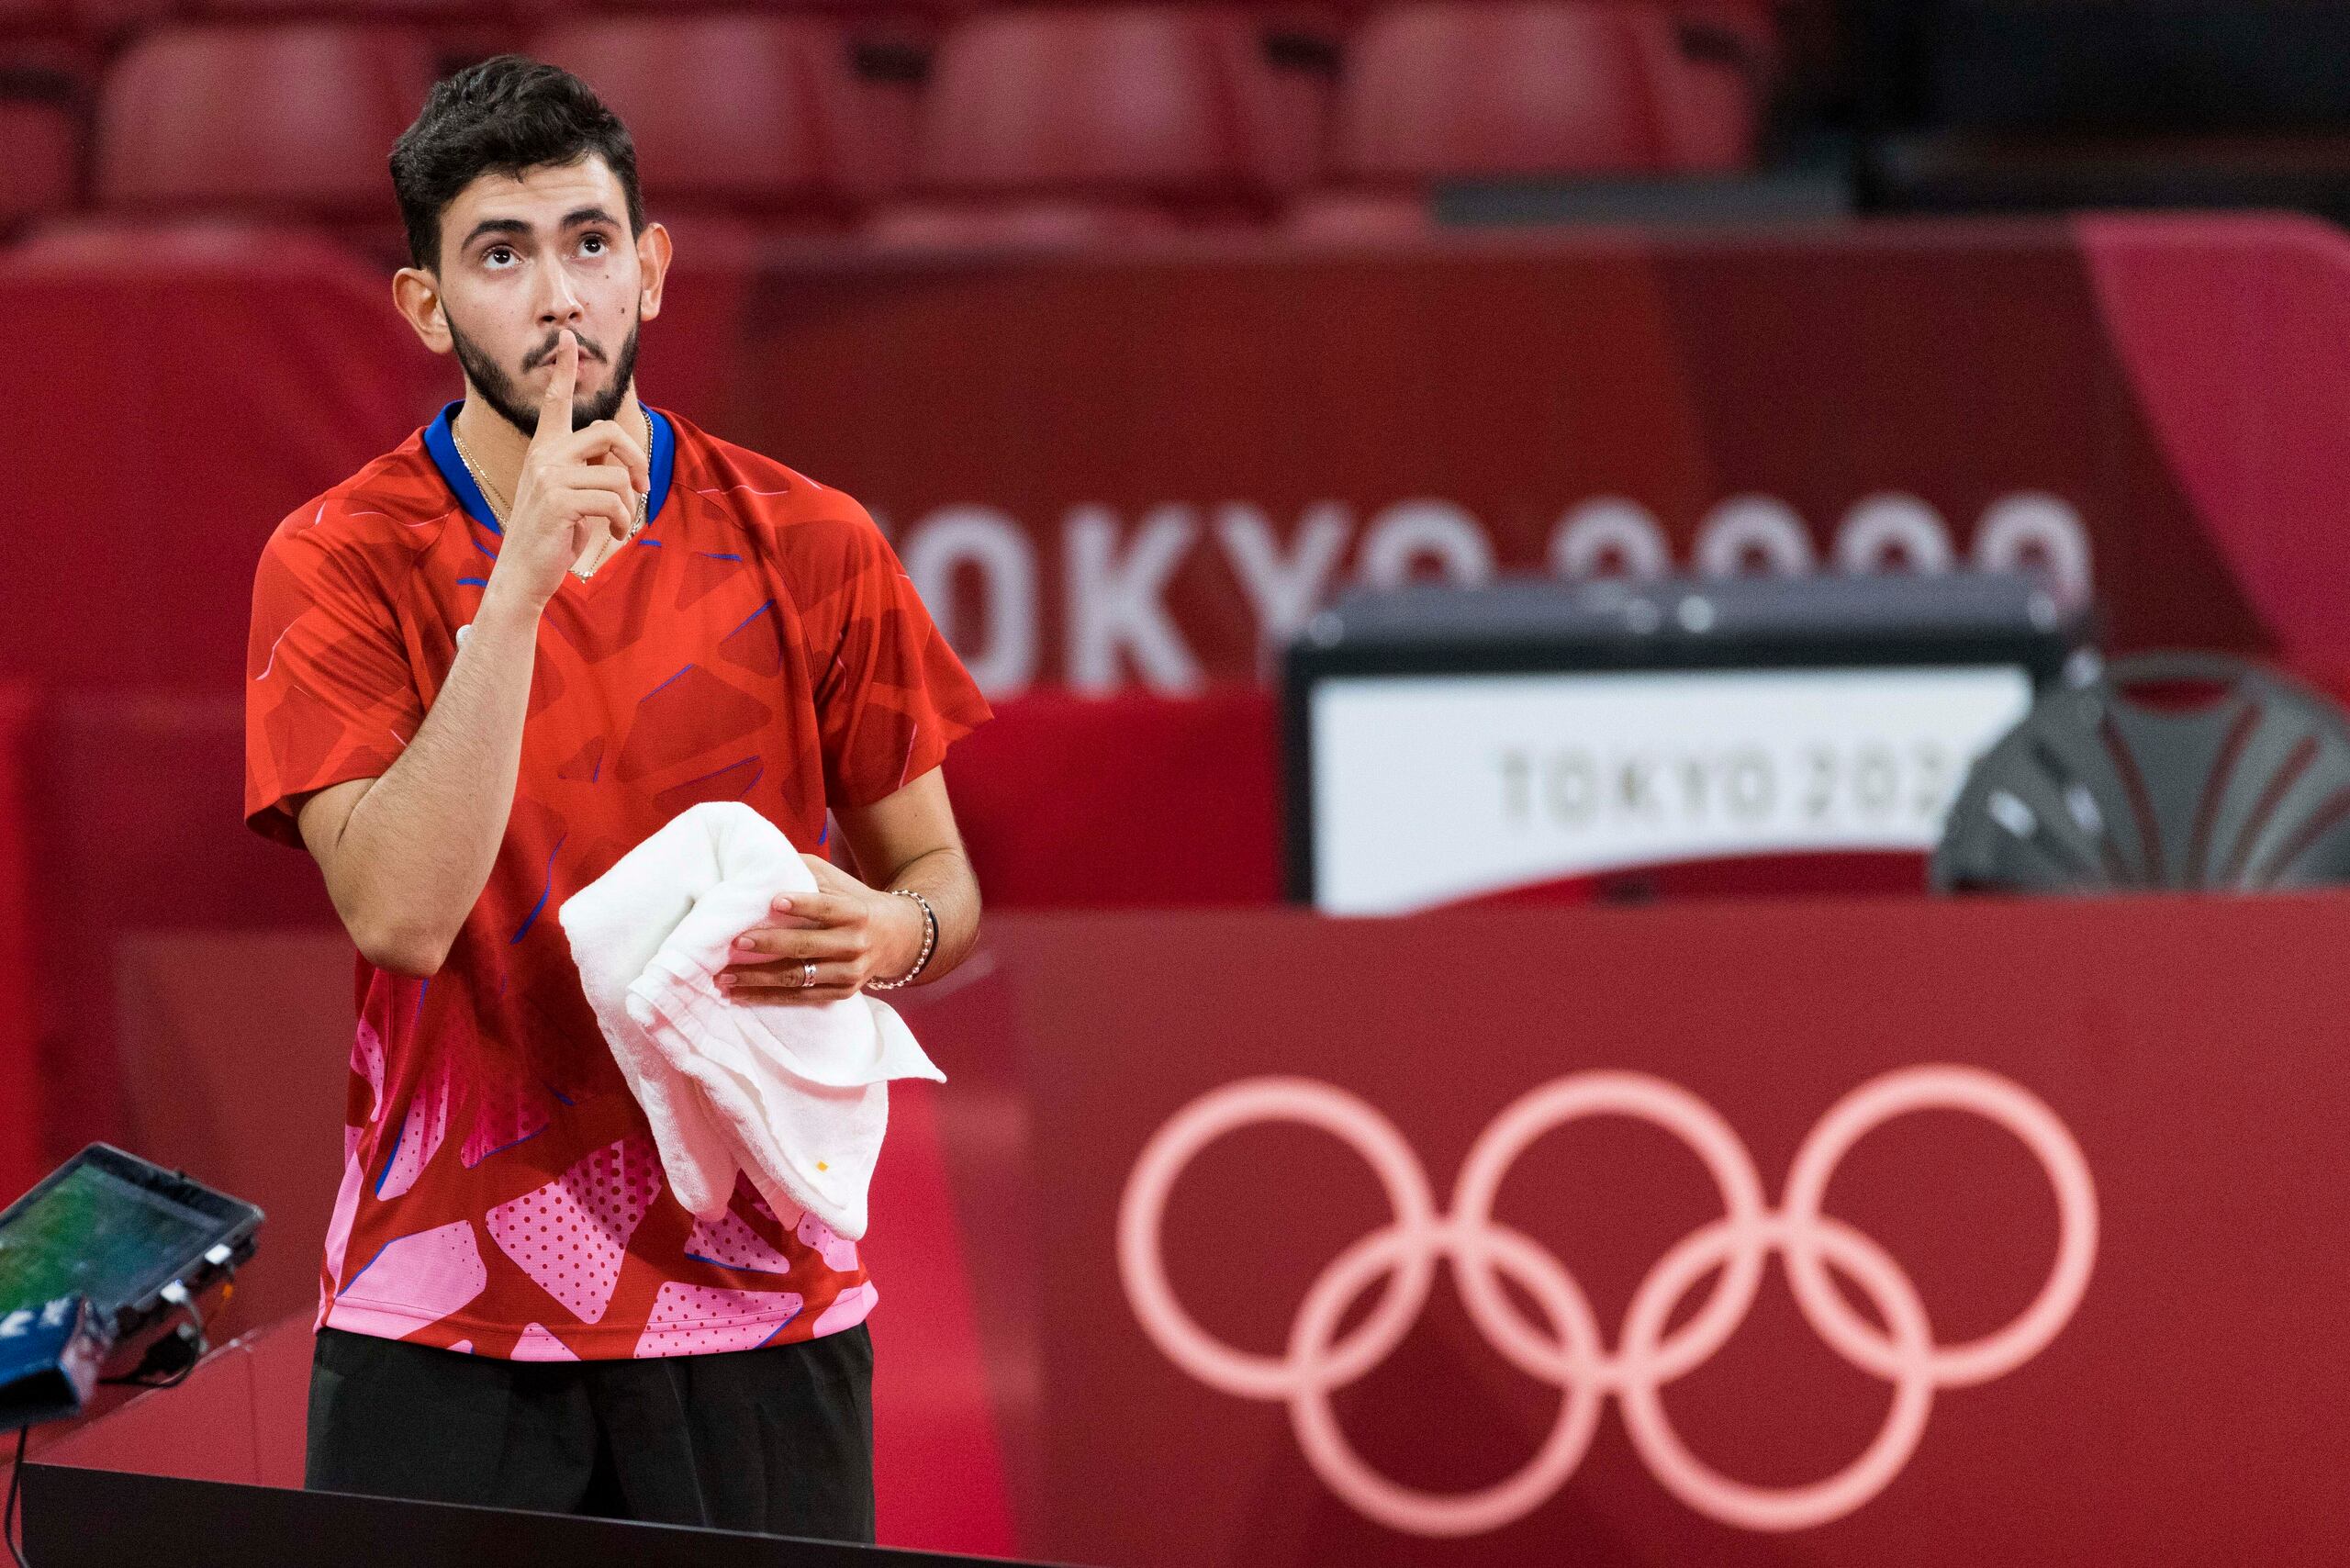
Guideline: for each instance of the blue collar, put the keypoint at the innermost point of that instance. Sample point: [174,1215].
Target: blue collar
[442,444]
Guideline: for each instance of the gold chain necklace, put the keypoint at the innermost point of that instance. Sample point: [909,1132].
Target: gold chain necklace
[500,507]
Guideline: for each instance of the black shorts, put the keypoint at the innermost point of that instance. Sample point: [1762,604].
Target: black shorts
[778,1439]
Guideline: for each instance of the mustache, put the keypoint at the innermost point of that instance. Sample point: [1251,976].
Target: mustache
[588,349]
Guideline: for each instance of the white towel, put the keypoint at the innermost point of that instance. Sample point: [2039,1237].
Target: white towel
[794,1096]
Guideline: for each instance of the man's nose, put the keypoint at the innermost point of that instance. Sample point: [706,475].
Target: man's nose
[558,303]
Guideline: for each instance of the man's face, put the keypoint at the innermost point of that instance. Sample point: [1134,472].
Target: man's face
[523,259]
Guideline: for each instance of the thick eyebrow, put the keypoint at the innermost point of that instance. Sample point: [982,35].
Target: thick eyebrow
[516,229]
[514,226]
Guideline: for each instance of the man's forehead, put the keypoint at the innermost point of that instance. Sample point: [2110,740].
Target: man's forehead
[542,195]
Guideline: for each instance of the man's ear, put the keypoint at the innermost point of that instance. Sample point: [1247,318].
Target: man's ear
[417,293]
[653,252]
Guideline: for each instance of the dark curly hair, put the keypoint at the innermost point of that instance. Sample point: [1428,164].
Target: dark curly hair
[502,117]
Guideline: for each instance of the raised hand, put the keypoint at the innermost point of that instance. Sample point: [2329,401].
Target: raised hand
[574,484]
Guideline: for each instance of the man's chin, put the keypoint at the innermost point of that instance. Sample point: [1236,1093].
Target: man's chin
[605,407]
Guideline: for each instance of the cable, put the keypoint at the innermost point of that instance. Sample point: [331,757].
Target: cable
[165,1348]
[9,1510]
[185,1340]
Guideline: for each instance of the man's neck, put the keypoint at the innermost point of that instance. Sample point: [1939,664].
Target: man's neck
[496,448]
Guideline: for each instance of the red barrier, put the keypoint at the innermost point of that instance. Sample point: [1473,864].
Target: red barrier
[182,391]
[2078,1230]
[1123,801]
[2081,1230]
[2244,402]
[1150,467]
[22,1097]
[1153,464]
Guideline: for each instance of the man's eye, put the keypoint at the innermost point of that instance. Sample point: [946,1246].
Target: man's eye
[593,245]
[498,255]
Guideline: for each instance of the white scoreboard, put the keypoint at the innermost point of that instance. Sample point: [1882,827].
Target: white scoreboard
[1428,766]
[1428,789]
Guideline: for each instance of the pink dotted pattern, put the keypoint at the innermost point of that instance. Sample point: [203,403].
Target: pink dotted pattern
[689,1320]
[732,1241]
[837,1253]
[367,1061]
[420,1133]
[571,1236]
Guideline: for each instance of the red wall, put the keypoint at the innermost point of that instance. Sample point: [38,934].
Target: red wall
[1132,455]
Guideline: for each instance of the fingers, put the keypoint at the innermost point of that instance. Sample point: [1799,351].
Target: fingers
[555,412]
[789,982]
[607,443]
[820,909]
[589,505]
[594,477]
[568,481]
[766,943]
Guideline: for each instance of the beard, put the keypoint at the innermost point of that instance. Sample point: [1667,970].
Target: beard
[504,394]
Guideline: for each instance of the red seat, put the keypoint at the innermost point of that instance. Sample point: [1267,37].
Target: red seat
[1362,216]
[481,11]
[44,143]
[41,60]
[737,111]
[296,120]
[1013,225]
[114,19]
[1531,87]
[1126,102]
[459,30]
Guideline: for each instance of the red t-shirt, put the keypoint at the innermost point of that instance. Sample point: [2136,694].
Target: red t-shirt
[757,642]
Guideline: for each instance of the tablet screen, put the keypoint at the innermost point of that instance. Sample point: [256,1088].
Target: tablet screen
[96,1234]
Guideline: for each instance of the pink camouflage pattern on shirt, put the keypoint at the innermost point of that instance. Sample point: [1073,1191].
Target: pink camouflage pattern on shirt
[757,642]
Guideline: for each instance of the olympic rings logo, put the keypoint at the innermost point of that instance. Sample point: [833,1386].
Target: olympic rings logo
[1568,1351]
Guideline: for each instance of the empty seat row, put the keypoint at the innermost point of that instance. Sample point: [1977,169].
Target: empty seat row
[1033,118]
[110,18]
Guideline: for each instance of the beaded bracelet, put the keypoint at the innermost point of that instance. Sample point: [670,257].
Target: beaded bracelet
[929,941]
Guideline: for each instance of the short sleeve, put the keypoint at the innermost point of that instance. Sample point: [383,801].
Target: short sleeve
[891,694]
[329,692]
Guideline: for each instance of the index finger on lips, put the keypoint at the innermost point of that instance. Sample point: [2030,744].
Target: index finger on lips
[554,413]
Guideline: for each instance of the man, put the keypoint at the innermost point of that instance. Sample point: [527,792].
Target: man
[482,669]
